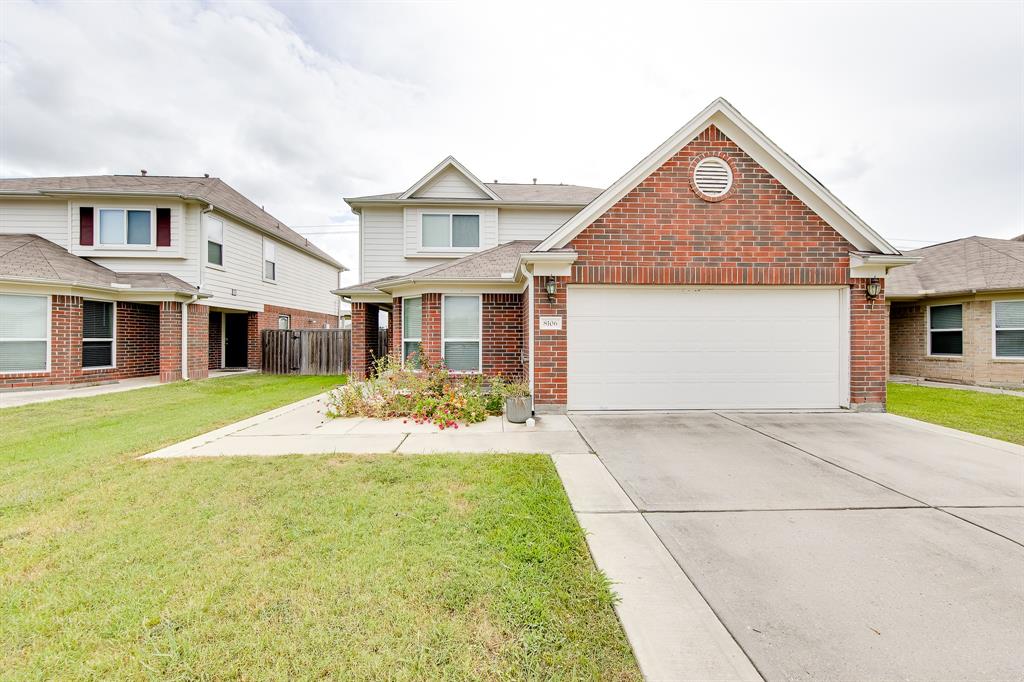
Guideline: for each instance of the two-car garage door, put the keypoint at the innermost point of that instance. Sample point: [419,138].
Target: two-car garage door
[739,348]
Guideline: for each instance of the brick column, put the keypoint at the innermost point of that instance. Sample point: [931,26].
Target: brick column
[869,335]
[395,328]
[198,341]
[170,341]
[430,345]
[550,351]
[365,318]
[255,348]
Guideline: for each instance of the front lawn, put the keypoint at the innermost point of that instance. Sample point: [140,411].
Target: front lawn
[986,414]
[456,567]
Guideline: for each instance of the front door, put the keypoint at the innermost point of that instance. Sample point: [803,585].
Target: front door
[236,340]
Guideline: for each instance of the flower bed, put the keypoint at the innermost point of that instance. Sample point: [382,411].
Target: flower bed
[429,393]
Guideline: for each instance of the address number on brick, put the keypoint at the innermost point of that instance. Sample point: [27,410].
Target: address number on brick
[550,321]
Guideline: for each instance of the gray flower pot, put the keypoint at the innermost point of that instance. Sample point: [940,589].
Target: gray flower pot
[518,410]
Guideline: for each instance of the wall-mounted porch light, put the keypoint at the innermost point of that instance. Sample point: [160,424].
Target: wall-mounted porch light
[873,289]
[549,286]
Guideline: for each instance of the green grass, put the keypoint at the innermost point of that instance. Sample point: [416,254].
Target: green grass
[441,567]
[986,414]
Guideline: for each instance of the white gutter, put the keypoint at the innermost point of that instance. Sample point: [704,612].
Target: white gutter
[184,336]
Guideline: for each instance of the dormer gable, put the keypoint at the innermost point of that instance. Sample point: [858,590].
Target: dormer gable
[449,180]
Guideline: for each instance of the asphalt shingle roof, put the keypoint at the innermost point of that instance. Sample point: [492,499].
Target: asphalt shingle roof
[30,257]
[210,190]
[964,265]
[520,193]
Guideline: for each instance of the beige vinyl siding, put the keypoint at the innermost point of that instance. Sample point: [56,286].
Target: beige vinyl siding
[48,219]
[381,249]
[518,223]
[180,259]
[451,184]
[302,282]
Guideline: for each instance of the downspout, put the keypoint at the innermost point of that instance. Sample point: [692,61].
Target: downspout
[184,336]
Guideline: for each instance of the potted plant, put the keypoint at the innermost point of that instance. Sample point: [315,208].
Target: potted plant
[518,402]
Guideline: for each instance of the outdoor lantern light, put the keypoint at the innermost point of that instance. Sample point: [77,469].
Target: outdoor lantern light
[874,288]
[549,287]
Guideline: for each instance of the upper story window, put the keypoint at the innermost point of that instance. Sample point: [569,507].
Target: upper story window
[946,330]
[450,230]
[269,260]
[24,333]
[214,241]
[1008,326]
[126,227]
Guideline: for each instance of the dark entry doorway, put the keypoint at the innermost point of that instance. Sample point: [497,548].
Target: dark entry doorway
[236,340]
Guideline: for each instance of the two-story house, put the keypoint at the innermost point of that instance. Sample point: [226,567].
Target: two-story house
[716,273]
[115,276]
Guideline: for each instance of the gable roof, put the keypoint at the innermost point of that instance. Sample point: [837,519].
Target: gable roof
[30,258]
[207,190]
[757,145]
[448,162]
[964,266]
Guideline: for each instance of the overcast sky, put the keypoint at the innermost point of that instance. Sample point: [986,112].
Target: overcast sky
[913,114]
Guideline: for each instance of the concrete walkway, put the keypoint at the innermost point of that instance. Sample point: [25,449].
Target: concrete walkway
[44,395]
[302,428]
[928,383]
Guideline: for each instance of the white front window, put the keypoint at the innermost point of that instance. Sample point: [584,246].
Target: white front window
[24,333]
[126,227]
[269,260]
[214,241]
[1008,328]
[97,334]
[457,231]
[460,331]
[412,330]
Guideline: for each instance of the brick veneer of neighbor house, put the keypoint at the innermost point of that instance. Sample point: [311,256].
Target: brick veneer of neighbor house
[216,340]
[908,346]
[170,341]
[138,341]
[662,232]
[268,319]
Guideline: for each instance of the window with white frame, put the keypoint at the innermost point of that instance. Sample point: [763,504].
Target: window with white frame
[946,329]
[126,227]
[214,241]
[450,230]
[97,334]
[1008,328]
[269,260]
[412,330]
[284,321]
[24,333]
[460,325]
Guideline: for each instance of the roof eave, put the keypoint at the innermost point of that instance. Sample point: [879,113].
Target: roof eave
[92,286]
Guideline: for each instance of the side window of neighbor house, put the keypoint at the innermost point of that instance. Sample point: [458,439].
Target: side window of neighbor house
[1008,323]
[214,241]
[126,227]
[97,334]
[24,333]
[284,321]
[412,330]
[269,260]
[946,330]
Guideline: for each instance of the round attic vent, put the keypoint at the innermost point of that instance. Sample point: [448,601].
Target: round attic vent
[712,177]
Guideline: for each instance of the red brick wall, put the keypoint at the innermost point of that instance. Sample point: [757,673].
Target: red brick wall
[503,335]
[365,321]
[138,340]
[198,342]
[170,341]
[215,341]
[395,328]
[431,332]
[662,232]
[255,349]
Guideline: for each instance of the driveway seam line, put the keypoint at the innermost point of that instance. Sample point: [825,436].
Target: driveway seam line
[866,478]
[401,442]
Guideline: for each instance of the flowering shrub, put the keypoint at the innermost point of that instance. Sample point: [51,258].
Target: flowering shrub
[428,394]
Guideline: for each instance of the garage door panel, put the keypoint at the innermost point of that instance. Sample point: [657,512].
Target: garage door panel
[636,348]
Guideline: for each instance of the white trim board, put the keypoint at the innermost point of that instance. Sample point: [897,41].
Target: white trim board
[761,149]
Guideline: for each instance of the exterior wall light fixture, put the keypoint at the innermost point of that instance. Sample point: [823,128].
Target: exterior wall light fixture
[873,288]
[549,287]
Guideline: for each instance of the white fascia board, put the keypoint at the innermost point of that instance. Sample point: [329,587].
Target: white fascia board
[449,161]
[453,286]
[755,144]
[118,293]
[543,263]
[877,264]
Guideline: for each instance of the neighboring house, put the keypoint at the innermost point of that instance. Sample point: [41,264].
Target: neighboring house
[958,314]
[115,276]
[717,273]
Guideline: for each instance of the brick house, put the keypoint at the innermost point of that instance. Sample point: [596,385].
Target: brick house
[111,277]
[958,314]
[716,273]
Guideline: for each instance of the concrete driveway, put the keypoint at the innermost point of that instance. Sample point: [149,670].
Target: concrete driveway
[836,546]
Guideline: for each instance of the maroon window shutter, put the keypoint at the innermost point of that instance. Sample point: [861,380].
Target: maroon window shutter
[163,227]
[85,225]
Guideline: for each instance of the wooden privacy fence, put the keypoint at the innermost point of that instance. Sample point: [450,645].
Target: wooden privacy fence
[306,351]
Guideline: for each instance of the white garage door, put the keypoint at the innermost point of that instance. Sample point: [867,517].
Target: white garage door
[648,348]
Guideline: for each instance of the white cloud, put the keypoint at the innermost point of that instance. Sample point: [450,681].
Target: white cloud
[910,113]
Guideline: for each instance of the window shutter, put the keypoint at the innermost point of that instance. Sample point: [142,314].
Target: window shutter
[85,225]
[163,227]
